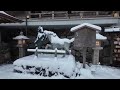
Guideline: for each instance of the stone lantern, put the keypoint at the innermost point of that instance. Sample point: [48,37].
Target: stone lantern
[99,39]
[21,44]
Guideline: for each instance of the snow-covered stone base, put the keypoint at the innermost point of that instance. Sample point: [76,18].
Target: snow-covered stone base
[46,65]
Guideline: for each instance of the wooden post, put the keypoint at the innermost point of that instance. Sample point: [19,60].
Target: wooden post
[111,51]
[0,37]
[67,15]
[52,14]
[81,14]
[55,52]
[36,52]
[40,16]
[84,56]
[97,13]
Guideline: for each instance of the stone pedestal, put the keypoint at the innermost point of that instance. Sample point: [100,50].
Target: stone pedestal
[21,52]
[96,55]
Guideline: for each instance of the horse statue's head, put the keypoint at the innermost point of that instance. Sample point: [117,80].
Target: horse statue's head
[40,29]
[42,39]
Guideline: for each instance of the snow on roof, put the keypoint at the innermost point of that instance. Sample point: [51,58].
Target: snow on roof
[85,24]
[100,37]
[112,29]
[4,13]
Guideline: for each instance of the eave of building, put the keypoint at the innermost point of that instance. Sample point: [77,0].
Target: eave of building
[56,23]
[6,18]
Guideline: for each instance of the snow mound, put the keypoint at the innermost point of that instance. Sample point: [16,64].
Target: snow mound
[61,68]
[61,65]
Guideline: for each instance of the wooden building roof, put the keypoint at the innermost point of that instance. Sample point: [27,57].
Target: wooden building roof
[6,18]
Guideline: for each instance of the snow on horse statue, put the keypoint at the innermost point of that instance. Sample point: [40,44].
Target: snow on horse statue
[41,40]
[57,42]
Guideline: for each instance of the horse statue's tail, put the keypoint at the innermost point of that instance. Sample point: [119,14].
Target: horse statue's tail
[71,40]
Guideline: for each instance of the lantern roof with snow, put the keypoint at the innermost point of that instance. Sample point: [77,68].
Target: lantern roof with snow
[94,27]
[100,37]
[21,36]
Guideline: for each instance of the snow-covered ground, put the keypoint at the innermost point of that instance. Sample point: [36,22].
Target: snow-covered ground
[101,72]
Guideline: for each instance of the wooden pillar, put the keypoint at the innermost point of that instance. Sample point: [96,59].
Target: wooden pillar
[84,56]
[55,52]
[66,15]
[97,13]
[111,51]
[0,37]
[96,55]
[36,52]
[40,16]
[52,14]
[81,14]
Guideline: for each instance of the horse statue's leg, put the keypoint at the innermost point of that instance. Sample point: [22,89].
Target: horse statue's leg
[48,46]
[66,47]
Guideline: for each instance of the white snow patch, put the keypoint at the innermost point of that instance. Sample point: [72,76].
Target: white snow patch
[100,37]
[83,25]
[86,73]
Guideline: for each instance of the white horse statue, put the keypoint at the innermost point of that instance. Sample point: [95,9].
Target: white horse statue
[57,42]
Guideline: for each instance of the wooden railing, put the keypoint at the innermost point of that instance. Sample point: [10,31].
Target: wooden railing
[68,15]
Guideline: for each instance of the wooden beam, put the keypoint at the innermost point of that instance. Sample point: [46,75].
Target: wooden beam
[47,51]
